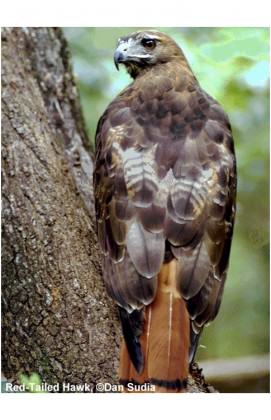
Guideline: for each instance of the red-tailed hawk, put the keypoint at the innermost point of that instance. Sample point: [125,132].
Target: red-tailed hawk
[165,186]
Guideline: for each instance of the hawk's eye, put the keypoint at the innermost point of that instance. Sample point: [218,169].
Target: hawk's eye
[148,43]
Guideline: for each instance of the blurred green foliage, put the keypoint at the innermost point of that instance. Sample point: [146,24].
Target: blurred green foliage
[232,65]
[32,383]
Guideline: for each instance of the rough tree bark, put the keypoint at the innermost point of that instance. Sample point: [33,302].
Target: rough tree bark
[56,317]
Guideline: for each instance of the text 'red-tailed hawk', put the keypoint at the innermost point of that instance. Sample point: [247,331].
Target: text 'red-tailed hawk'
[165,186]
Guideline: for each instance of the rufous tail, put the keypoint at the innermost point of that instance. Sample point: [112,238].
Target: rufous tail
[164,340]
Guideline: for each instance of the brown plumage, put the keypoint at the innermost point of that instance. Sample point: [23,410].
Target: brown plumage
[165,185]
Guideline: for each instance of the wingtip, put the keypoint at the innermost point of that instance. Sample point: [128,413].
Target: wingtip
[137,358]
[132,328]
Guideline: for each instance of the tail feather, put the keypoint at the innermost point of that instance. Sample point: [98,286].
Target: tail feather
[164,341]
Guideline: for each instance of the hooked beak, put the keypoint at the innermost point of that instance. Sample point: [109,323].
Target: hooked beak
[120,56]
[117,57]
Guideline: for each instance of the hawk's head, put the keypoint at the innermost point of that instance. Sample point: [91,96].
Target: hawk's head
[143,49]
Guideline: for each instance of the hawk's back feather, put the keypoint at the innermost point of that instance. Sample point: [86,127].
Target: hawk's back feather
[165,185]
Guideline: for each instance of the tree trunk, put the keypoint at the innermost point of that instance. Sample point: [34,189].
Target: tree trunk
[56,317]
